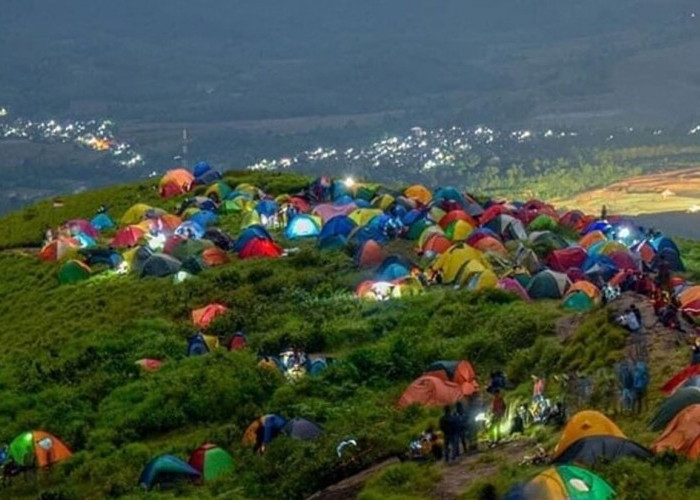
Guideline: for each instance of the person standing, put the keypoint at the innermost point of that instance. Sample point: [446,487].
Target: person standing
[449,428]
[498,410]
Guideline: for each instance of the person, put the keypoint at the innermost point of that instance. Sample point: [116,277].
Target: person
[604,212]
[48,235]
[463,427]
[641,381]
[664,274]
[637,314]
[498,410]
[630,321]
[695,359]
[449,428]
[627,387]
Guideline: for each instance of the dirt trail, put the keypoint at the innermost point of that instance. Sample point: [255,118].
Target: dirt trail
[456,478]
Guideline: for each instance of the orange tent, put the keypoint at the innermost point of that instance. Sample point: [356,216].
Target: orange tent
[370,255]
[38,448]
[689,295]
[682,434]
[214,256]
[591,239]
[430,391]
[57,249]
[584,424]
[204,316]
[586,287]
[436,243]
[418,193]
[461,373]
[490,244]
[180,177]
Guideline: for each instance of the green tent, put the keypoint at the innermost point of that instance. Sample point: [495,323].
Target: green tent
[73,271]
[365,193]
[548,285]
[567,481]
[543,222]
[417,228]
[211,461]
[190,248]
[673,405]
[578,301]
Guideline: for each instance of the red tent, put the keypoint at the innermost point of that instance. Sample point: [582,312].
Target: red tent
[82,226]
[371,254]
[127,237]
[431,391]
[171,190]
[566,258]
[204,316]
[215,256]
[494,211]
[149,365]
[623,260]
[260,247]
[437,243]
[679,378]
[454,215]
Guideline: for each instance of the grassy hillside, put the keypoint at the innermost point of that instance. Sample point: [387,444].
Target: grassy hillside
[67,366]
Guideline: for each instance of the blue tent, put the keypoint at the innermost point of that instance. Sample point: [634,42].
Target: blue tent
[343,200]
[249,233]
[413,216]
[340,225]
[332,242]
[190,229]
[166,470]
[667,249]
[362,234]
[394,267]
[272,425]
[340,190]
[448,193]
[599,265]
[317,366]
[236,194]
[208,177]
[102,222]
[203,203]
[363,203]
[85,241]
[201,168]
[599,225]
[196,345]
[266,207]
[204,218]
[302,226]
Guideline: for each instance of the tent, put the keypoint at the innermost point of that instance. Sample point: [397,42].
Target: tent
[266,207]
[608,448]
[201,168]
[666,249]
[263,430]
[458,230]
[211,461]
[548,285]
[455,215]
[383,202]
[339,225]
[149,364]
[673,405]
[680,378]
[190,229]
[584,424]
[249,233]
[219,238]
[452,262]
[159,265]
[127,237]
[362,216]
[507,227]
[427,390]
[461,373]
[203,316]
[135,214]
[300,428]
[513,286]
[38,448]
[582,296]
[489,244]
[258,247]
[204,218]
[328,211]
[563,482]
[418,193]
[427,232]
[83,226]
[437,244]
[543,222]
[393,268]
[302,226]
[183,249]
[219,190]
[58,249]
[104,256]
[566,258]
[73,271]
[682,434]
[575,219]
[165,470]
[214,256]
[208,177]
[591,239]
[369,254]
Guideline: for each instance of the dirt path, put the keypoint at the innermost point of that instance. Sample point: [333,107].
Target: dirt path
[456,478]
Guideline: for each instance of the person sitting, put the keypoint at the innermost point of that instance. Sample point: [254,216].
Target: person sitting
[695,359]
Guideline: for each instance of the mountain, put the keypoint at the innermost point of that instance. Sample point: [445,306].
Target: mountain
[68,364]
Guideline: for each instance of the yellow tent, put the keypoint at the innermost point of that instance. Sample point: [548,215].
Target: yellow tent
[451,262]
[458,230]
[436,213]
[135,214]
[586,423]
[418,193]
[480,280]
[247,188]
[362,216]
[250,219]
[383,202]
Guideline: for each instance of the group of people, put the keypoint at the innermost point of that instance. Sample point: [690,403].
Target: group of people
[459,432]
[634,381]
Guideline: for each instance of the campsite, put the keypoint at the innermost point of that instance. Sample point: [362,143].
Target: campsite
[250,335]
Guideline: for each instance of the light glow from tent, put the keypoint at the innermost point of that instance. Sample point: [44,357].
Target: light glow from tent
[349,182]
[157,242]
